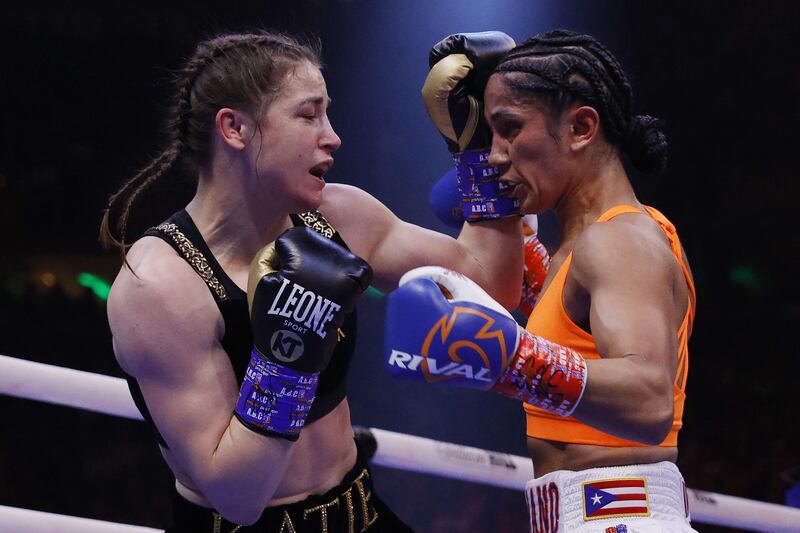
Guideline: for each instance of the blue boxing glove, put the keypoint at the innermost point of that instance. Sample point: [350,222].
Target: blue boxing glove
[445,200]
[453,96]
[441,327]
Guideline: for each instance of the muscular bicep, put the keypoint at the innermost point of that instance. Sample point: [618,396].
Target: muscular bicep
[167,332]
[628,276]
[631,307]
[407,246]
[390,245]
[166,336]
[490,253]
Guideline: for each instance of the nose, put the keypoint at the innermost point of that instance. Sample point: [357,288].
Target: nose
[329,140]
[498,156]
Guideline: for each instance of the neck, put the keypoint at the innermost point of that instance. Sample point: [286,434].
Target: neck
[604,185]
[234,221]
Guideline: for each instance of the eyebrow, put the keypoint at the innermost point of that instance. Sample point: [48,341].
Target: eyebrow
[501,113]
[316,100]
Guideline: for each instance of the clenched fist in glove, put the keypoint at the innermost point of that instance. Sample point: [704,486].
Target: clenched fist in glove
[453,95]
[441,327]
[299,290]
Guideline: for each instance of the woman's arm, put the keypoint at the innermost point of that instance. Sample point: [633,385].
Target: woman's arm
[489,252]
[166,330]
[629,273]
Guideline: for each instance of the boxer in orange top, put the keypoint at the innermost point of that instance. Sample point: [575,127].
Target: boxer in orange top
[602,363]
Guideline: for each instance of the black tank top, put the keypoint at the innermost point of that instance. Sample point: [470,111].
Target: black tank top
[181,233]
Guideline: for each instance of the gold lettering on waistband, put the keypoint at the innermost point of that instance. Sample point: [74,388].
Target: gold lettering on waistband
[323,512]
[365,496]
[218,524]
[287,523]
[351,514]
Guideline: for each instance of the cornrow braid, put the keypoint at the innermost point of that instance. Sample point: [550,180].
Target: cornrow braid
[243,71]
[561,66]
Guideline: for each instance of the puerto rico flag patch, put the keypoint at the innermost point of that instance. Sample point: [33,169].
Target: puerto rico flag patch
[608,498]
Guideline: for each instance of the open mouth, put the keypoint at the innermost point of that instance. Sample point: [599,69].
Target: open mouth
[321,169]
[507,188]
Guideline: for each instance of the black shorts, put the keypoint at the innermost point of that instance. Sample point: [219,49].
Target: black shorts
[351,506]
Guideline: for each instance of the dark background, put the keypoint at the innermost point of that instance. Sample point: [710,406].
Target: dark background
[85,88]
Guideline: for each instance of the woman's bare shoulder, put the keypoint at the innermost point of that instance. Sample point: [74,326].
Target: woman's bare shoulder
[158,304]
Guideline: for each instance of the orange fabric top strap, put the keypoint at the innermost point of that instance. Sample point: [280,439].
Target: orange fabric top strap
[675,245]
[618,210]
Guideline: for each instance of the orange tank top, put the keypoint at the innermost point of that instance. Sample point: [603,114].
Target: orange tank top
[549,319]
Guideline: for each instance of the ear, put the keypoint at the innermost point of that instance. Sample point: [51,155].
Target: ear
[233,127]
[584,126]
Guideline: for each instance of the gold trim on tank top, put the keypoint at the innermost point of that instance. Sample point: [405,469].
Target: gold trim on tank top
[195,258]
[317,222]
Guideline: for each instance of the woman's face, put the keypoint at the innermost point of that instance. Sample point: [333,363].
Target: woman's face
[297,141]
[536,157]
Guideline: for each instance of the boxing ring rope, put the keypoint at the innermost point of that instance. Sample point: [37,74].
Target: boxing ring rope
[109,395]
[27,521]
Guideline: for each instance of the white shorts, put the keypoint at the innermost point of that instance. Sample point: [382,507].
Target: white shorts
[618,499]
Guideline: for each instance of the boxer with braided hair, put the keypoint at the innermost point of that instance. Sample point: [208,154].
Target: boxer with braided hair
[561,67]
[249,75]
[601,365]
[234,319]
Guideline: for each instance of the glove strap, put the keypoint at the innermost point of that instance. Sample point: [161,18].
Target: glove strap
[481,190]
[545,374]
[274,400]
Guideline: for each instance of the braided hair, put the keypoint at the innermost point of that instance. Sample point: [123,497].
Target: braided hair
[242,71]
[560,67]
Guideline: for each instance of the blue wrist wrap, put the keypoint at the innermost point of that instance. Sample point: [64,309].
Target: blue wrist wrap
[481,191]
[274,399]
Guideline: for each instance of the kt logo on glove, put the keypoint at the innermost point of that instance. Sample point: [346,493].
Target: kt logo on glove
[286,346]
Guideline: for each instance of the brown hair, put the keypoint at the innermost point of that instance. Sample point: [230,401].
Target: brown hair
[242,71]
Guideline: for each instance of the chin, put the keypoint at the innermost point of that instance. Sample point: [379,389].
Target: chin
[308,201]
[529,206]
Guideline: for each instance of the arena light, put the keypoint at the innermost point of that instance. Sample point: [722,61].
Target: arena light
[372,292]
[98,285]
[746,276]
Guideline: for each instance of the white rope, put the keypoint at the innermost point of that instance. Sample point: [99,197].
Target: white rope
[418,454]
[741,513]
[65,386]
[17,520]
[105,394]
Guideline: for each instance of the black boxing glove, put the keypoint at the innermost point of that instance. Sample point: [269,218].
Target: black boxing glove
[453,96]
[299,290]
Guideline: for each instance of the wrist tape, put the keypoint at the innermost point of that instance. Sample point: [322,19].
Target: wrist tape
[274,400]
[536,264]
[481,190]
[545,374]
